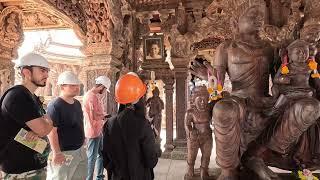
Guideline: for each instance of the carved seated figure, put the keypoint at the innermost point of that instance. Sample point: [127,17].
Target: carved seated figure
[294,84]
[156,106]
[244,136]
[198,131]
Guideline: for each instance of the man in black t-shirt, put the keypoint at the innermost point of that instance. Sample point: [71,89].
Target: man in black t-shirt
[20,108]
[68,159]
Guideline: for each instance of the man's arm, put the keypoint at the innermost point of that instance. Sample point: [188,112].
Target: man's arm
[57,155]
[22,109]
[41,126]
[54,141]
[187,123]
[95,108]
[220,64]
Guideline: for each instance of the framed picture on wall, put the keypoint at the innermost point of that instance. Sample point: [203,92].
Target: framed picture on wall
[153,48]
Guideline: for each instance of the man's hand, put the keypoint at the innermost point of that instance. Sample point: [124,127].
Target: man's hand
[31,136]
[58,158]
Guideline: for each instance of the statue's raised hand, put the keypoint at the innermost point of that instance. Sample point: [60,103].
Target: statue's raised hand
[201,70]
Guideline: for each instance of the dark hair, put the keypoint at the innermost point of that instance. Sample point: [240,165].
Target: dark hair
[27,67]
[98,85]
[138,108]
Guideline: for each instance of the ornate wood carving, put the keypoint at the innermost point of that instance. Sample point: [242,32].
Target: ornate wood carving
[210,43]
[72,9]
[11,35]
[104,27]
[6,75]
[41,20]
[279,36]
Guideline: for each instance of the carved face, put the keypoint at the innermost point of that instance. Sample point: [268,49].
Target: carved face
[298,54]
[251,21]
[201,102]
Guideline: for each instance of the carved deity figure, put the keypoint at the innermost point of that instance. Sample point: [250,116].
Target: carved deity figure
[12,34]
[295,84]
[198,131]
[156,106]
[243,134]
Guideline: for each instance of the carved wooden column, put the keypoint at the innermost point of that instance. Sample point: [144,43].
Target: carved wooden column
[103,44]
[11,36]
[181,75]
[112,105]
[169,117]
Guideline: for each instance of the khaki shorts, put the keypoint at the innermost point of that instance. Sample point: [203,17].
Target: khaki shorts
[76,170]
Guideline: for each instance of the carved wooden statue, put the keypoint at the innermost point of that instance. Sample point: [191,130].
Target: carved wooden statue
[156,106]
[198,131]
[243,133]
[295,83]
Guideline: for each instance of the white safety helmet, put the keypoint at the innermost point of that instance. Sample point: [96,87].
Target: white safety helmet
[105,81]
[133,73]
[32,59]
[68,77]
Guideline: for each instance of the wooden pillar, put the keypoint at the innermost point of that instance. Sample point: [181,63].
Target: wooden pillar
[169,117]
[11,37]
[181,75]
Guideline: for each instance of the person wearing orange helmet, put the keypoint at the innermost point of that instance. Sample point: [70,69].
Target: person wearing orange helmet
[129,149]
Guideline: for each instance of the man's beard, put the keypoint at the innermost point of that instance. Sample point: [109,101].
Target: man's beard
[37,83]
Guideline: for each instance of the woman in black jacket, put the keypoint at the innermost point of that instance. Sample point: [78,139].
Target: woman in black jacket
[129,149]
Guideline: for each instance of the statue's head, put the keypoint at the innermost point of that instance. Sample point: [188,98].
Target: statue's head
[248,17]
[200,98]
[298,51]
[156,91]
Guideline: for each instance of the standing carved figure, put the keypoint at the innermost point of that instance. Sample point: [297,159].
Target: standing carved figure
[238,119]
[198,130]
[156,106]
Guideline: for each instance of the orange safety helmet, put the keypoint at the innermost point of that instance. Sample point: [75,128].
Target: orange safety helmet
[129,89]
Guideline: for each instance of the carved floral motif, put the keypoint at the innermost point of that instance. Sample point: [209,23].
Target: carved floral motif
[73,10]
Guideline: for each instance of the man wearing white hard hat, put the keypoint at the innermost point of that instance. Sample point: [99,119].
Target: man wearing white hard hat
[94,116]
[22,111]
[68,159]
